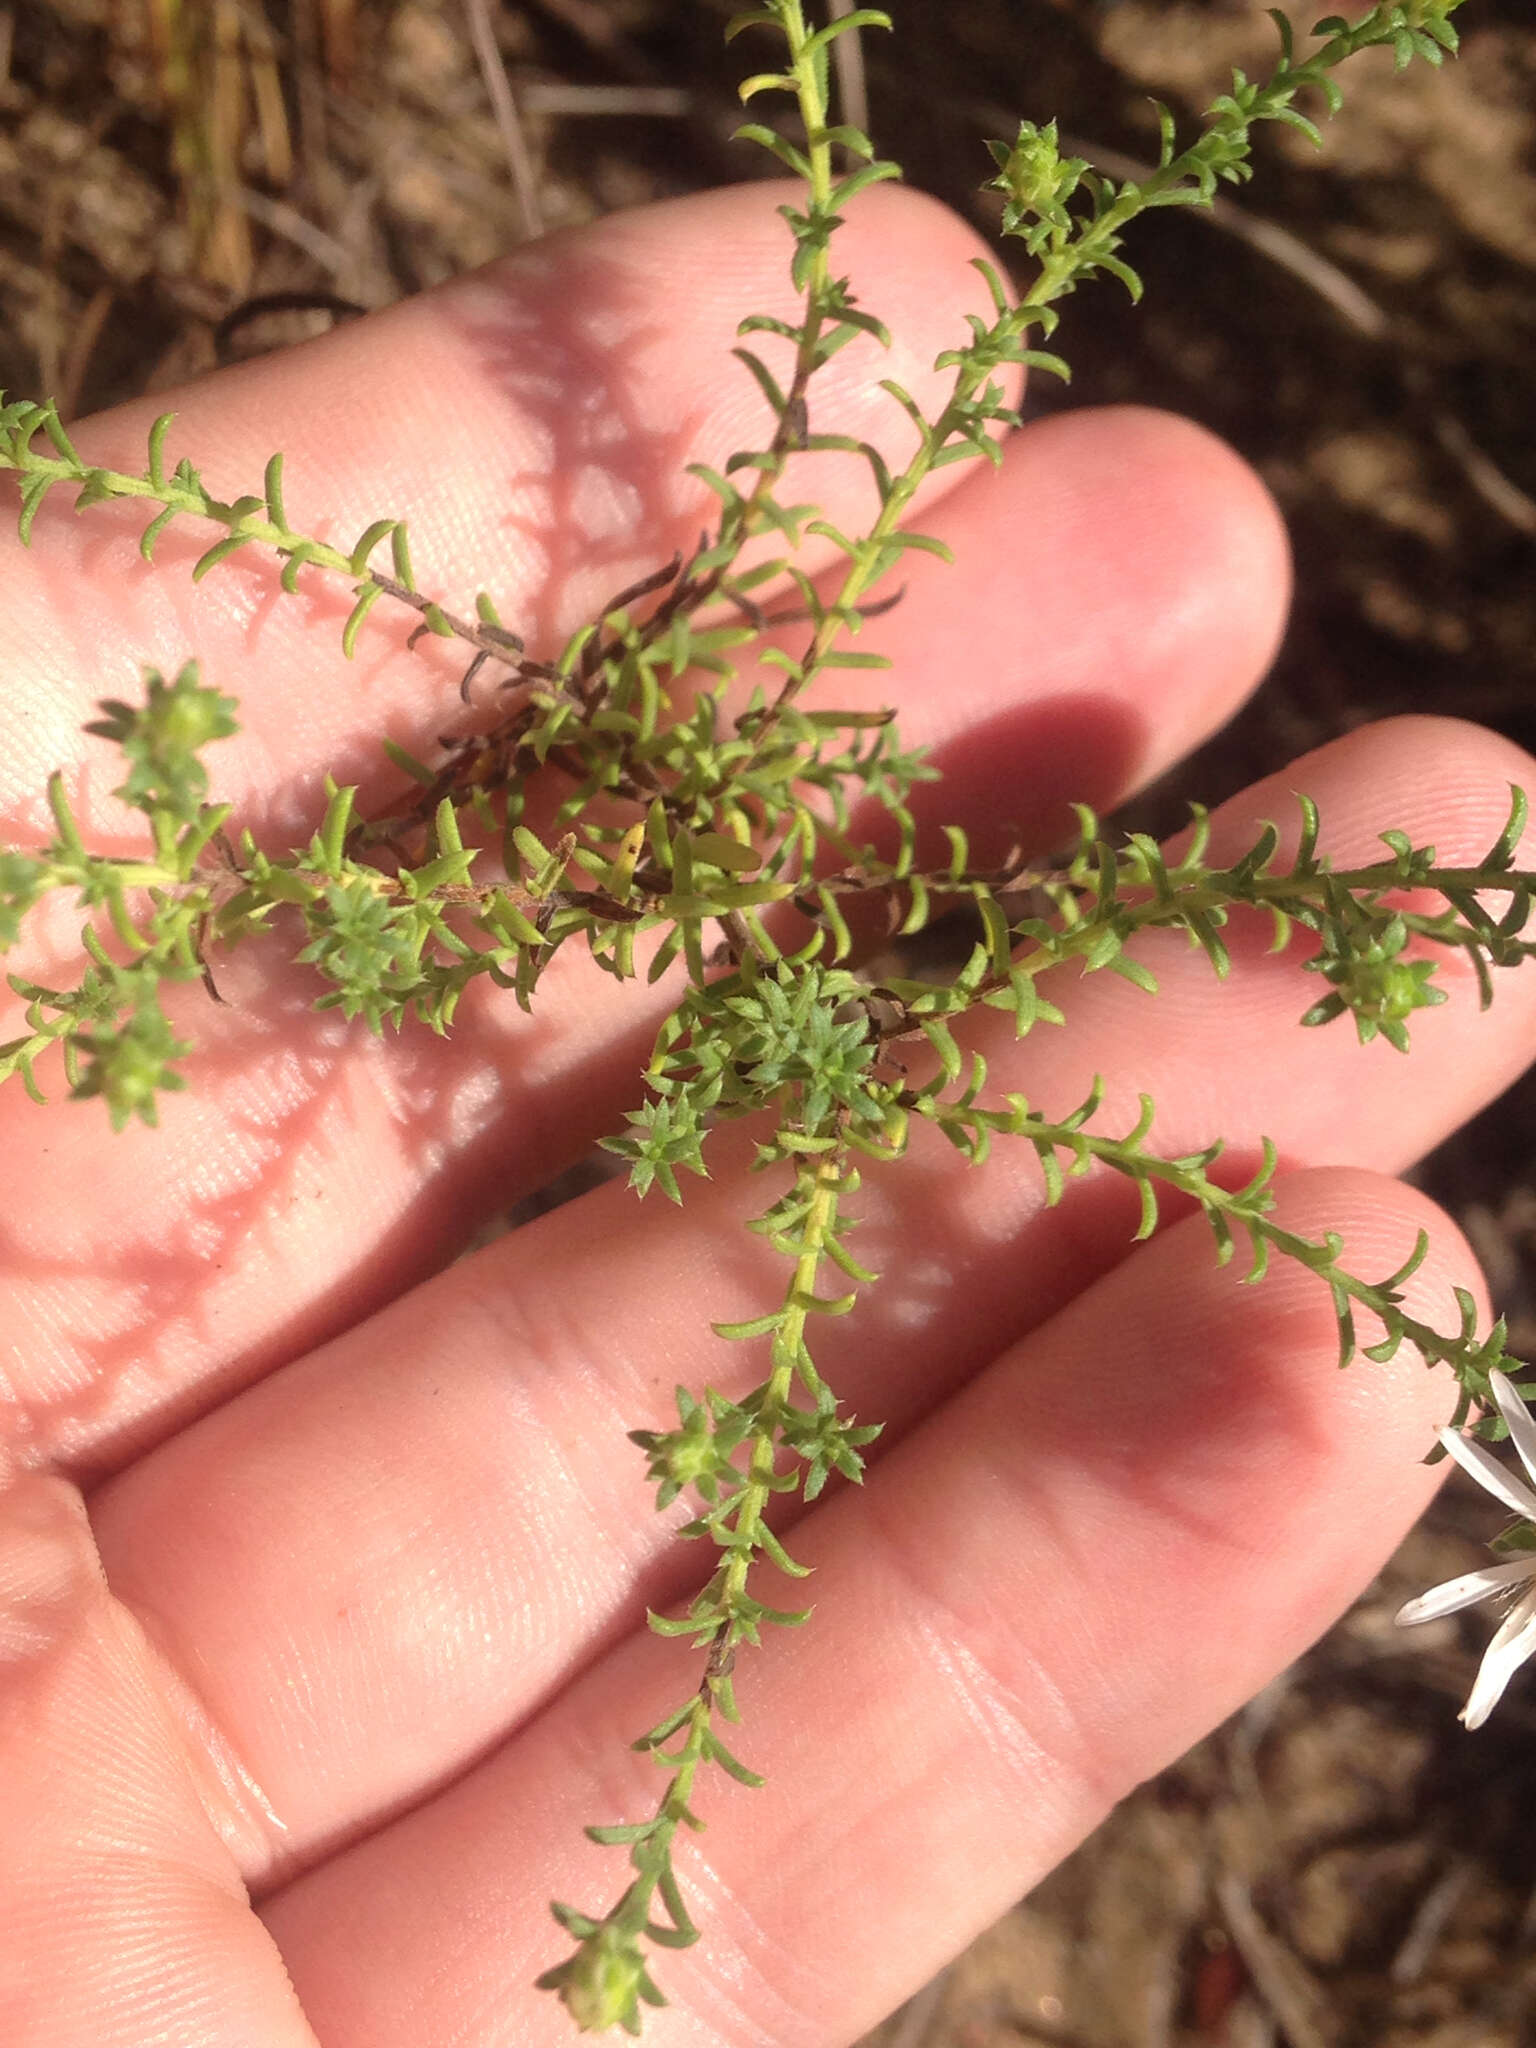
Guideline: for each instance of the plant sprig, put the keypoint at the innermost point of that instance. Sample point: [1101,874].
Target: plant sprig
[729,1452]
[683,831]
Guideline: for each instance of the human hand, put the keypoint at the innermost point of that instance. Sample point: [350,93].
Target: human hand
[370,1641]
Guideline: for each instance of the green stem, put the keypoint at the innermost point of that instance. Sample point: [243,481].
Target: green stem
[723,1599]
[1059,270]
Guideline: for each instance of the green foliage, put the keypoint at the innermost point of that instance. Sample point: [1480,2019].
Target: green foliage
[691,828]
[1038,182]
[161,741]
[130,1060]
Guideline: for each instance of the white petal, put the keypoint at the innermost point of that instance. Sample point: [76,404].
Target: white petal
[1522,1425]
[1466,1591]
[1485,1468]
[1515,1641]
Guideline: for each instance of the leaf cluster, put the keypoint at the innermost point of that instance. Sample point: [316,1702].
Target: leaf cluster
[1071,243]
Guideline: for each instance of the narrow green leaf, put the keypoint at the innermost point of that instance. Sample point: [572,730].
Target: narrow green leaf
[53,427]
[717,1753]
[157,434]
[400,554]
[368,540]
[682,1925]
[33,491]
[860,17]
[273,493]
[1501,854]
[219,552]
[408,763]
[753,1326]
[764,378]
[619,1837]
[306,551]
[366,596]
[153,531]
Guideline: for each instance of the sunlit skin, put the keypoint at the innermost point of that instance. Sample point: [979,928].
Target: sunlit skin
[323,1565]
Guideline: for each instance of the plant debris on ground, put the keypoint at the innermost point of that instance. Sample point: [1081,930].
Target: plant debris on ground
[1341,1866]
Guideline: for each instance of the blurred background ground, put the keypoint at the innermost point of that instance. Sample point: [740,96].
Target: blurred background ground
[1341,1865]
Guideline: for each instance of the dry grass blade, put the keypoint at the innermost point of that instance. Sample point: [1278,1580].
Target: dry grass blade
[266,91]
[199,63]
[82,342]
[848,56]
[338,26]
[551,96]
[1282,1980]
[508,122]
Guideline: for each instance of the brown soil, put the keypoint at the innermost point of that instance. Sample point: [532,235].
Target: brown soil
[1340,1865]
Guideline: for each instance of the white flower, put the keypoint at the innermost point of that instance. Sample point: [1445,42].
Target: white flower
[1516,1636]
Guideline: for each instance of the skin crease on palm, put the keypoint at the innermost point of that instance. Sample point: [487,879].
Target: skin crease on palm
[323,1564]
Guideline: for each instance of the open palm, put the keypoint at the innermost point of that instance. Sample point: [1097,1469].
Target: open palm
[323,1563]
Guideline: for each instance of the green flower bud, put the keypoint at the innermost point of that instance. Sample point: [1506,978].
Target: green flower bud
[602,1984]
